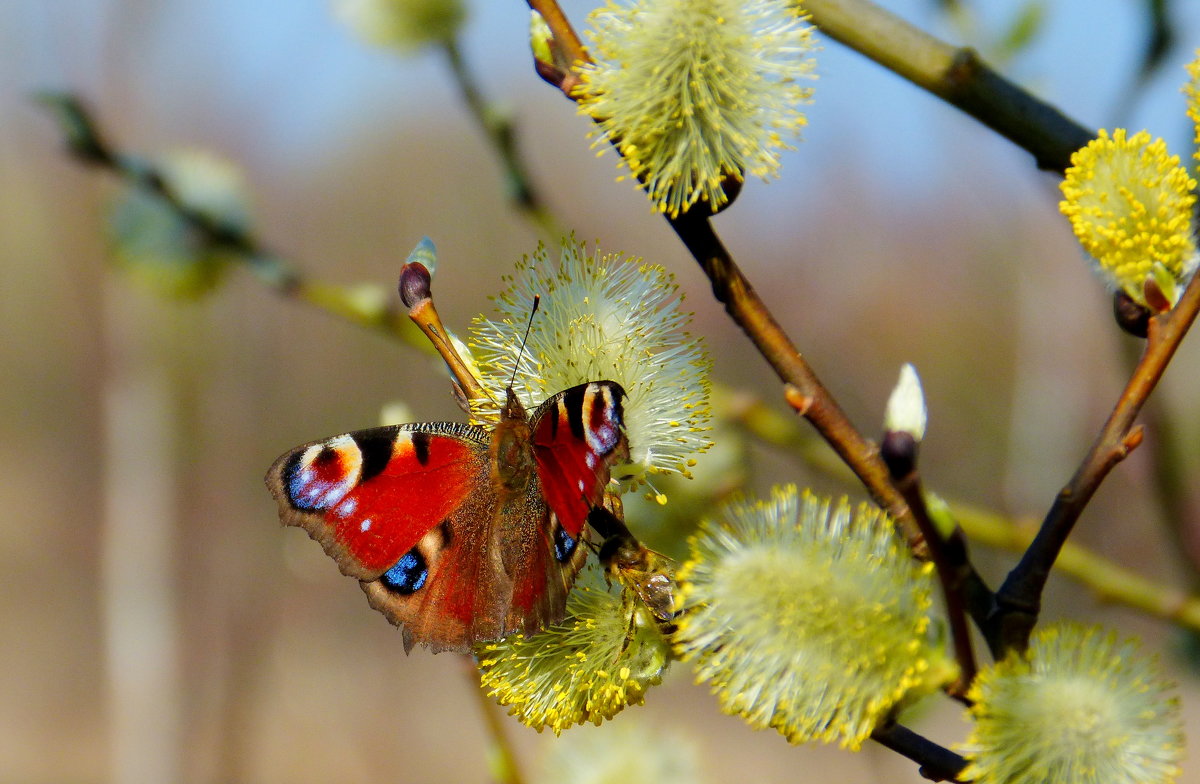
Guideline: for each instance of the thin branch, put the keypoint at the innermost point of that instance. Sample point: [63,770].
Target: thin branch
[937,762]
[732,289]
[1019,598]
[498,128]
[957,75]
[948,553]
[87,143]
[1106,579]
[1168,456]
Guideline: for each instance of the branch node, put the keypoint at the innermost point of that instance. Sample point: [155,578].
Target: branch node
[798,400]
[1132,440]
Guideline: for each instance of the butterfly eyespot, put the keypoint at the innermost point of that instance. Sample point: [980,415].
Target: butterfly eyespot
[564,544]
[408,575]
[320,476]
[603,415]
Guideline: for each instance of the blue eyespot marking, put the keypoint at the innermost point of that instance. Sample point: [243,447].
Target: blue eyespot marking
[319,477]
[408,575]
[564,545]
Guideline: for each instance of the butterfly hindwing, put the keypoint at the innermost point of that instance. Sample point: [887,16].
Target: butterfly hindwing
[485,581]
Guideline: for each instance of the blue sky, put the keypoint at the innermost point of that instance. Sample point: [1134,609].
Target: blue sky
[316,78]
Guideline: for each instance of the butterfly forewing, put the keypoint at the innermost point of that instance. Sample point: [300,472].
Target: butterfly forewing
[370,496]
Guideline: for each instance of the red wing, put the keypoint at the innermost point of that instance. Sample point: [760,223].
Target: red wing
[370,496]
[577,437]
[486,573]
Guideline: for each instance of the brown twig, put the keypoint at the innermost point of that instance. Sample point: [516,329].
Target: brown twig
[1019,599]
[416,294]
[1106,579]
[565,37]
[742,303]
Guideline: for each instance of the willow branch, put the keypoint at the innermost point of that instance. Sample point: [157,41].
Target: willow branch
[957,75]
[89,145]
[1106,579]
[1019,599]
[565,38]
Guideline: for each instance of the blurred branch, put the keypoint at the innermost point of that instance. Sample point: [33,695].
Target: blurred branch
[497,126]
[1160,37]
[1106,579]
[1019,598]
[1169,454]
[139,547]
[1157,44]
[956,75]
[89,145]
[502,760]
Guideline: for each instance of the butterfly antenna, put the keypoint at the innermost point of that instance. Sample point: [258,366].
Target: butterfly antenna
[537,300]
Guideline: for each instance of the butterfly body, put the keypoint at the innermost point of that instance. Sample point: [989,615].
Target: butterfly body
[456,533]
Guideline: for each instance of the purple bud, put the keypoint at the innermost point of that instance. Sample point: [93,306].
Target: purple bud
[1131,316]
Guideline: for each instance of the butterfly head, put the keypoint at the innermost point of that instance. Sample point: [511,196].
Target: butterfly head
[513,410]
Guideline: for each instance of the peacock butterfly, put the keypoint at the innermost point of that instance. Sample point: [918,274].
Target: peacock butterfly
[455,533]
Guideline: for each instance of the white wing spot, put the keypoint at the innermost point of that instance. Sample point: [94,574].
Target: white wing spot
[365,525]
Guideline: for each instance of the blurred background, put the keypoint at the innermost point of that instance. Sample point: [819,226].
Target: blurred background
[159,625]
